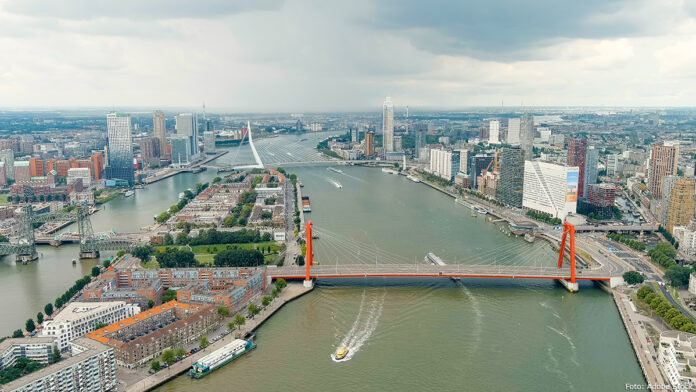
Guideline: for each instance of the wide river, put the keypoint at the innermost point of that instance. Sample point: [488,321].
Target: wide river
[406,335]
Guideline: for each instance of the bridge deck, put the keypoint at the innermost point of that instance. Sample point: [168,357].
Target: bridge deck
[421,270]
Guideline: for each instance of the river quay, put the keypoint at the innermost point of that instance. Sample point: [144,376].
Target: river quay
[291,292]
[635,327]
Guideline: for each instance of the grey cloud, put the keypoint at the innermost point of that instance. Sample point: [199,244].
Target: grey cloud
[136,9]
[509,30]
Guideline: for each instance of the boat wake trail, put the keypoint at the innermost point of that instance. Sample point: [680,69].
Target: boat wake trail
[363,327]
[478,321]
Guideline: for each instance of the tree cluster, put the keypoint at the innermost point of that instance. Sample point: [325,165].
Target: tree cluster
[664,309]
[239,258]
[173,258]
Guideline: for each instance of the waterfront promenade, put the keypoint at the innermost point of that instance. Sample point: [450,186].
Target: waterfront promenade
[639,340]
[289,293]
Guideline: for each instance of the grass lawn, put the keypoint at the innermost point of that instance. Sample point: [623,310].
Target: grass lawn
[151,264]
[4,199]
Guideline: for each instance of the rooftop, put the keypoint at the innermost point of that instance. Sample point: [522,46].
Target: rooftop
[101,335]
[7,343]
[76,310]
[89,347]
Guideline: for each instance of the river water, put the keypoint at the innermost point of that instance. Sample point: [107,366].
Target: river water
[409,335]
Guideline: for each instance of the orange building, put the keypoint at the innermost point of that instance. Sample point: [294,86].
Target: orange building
[36,167]
[97,164]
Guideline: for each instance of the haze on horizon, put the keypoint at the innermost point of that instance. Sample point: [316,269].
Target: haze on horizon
[297,55]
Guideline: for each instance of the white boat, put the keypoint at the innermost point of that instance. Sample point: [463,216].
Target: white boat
[334,170]
[182,195]
[129,193]
[413,178]
[388,171]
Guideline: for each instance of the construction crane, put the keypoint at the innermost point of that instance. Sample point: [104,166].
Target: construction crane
[485,171]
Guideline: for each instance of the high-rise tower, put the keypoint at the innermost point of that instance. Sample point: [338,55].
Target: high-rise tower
[159,126]
[120,145]
[388,125]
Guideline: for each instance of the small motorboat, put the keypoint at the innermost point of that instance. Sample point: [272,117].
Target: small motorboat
[341,353]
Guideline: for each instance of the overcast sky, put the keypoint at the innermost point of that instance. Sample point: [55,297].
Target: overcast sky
[301,56]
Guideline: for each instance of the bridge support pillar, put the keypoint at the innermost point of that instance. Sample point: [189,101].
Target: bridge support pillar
[89,255]
[572,287]
[309,255]
[26,258]
[568,231]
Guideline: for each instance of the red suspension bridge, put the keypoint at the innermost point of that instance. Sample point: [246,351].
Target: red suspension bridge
[567,275]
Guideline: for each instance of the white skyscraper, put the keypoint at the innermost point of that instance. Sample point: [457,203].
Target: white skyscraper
[513,134]
[550,188]
[388,125]
[187,125]
[494,133]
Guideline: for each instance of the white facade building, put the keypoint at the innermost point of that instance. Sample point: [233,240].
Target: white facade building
[686,235]
[550,188]
[513,132]
[91,366]
[388,125]
[80,172]
[80,318]
[187,125]
[676,357]
[494,132]
[444,163]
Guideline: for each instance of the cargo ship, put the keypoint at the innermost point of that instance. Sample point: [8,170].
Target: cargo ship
[220,357]
[305,204]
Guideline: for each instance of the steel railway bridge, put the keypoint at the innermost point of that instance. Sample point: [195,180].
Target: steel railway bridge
[24,247]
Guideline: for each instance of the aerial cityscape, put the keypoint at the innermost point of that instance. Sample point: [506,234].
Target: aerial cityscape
[371,195]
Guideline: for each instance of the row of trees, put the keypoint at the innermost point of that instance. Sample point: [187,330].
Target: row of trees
[637,245]
[482,197]
[238,258]
[664,309]
[544,217]
[243,236]
[188,196]
[34,198]
[668,236]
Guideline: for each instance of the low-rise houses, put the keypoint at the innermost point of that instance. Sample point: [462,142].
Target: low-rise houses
[141,285]
[79,318]
[143,337]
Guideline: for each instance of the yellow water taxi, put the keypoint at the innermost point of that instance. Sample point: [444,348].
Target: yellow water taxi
[341,353]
